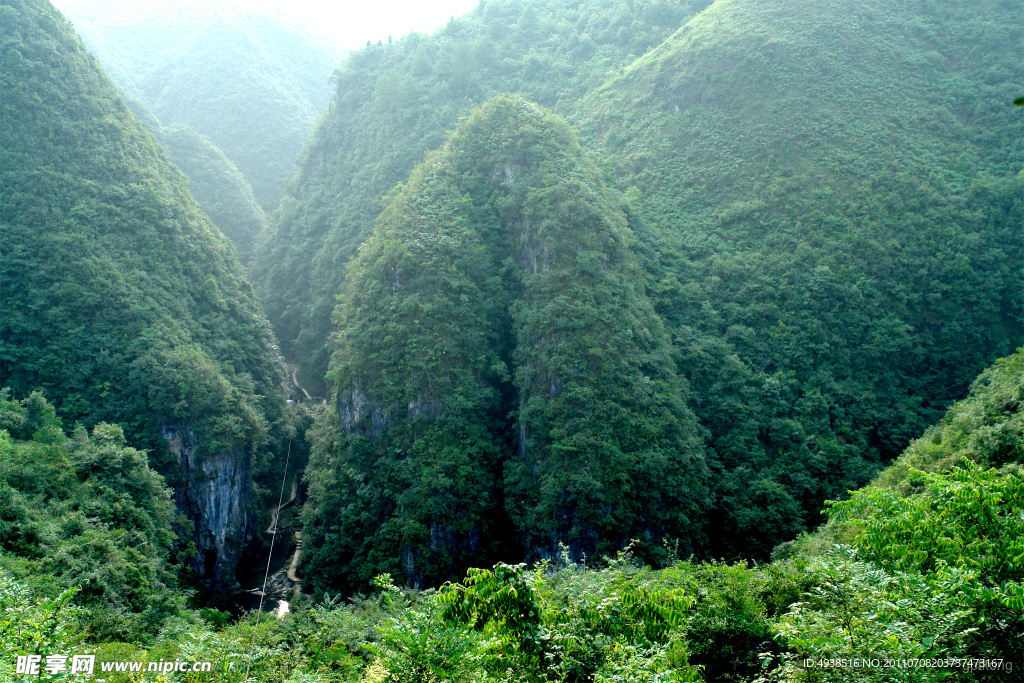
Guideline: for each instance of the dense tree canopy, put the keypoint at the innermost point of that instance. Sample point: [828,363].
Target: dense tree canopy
[494,345]
[217,185]
[215,182]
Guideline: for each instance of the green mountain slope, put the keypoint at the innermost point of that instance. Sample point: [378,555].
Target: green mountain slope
[986,428]
[122,302]
[494,346]
[826,201]
[394,102]
[253,86]
[215,182]
[830,207]
[217,185]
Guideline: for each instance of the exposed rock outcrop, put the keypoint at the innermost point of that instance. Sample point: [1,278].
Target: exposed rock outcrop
[215,493]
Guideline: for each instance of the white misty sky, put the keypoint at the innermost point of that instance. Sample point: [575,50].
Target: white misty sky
[345,23]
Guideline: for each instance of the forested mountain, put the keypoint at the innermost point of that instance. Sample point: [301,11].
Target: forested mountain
[615,290]
[495,346]
[394,102]
[830,198]
[825,201]
[252,85]
[122,302]
[215,182]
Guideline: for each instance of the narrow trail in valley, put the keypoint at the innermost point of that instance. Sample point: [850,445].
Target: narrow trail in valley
[295,558]
[292,368]
[276,511]
[284,585]
[296,582]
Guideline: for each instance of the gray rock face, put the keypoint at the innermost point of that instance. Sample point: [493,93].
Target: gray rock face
[353,408]
[215,494]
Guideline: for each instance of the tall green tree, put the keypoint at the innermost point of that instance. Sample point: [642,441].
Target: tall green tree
[88,515]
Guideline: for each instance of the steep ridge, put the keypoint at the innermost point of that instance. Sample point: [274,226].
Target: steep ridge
[121,300]
[217,185]
[986,428]
[828,201]
[215,182]
[494,345]
[394,102]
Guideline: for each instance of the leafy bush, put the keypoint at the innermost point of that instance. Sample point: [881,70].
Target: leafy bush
[858,610]
[965,526]
[87,513]
[32,623]
[564,624]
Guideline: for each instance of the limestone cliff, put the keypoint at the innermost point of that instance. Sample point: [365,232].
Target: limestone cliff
[215,494]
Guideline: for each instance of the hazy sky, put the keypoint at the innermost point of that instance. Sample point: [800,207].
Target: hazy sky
[346,23]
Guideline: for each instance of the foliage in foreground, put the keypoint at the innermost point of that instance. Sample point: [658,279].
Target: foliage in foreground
[933,575]
[624,622]
[931,568]
[935,558]
[85,515]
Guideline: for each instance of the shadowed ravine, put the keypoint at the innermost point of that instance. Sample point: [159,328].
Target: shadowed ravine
[283,584]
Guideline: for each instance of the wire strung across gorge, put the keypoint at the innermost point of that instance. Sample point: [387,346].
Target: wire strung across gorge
[266,575]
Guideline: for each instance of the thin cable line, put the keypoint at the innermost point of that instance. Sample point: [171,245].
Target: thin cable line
[266,574]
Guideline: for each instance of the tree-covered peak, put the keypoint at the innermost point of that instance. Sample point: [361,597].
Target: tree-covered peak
[502,384]
[395,101]
[522,132]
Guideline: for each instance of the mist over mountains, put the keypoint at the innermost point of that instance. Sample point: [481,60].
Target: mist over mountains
[249,83]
